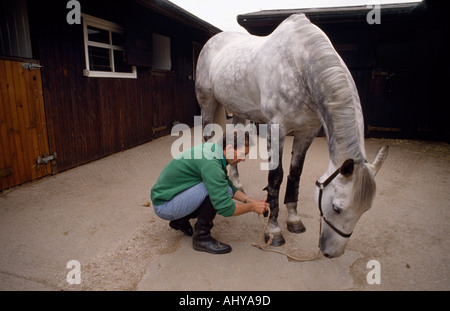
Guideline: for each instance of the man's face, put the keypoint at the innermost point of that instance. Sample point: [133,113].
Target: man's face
[234,156]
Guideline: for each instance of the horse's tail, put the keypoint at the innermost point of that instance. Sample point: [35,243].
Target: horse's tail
[220,117]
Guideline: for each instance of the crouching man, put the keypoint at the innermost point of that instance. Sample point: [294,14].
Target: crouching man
[195,184]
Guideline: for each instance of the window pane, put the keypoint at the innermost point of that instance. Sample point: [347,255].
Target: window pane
[98,35]
[119,62]
[117,39]
[161,52]
[99,59]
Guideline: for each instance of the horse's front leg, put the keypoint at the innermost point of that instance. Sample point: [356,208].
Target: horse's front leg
[301,143]
[275,143]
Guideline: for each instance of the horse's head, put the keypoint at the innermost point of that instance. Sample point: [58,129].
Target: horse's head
[342,198]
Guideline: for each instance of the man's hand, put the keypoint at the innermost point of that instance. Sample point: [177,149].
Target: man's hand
[260,206]
[252,205]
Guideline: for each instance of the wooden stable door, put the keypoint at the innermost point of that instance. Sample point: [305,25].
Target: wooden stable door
[23,131]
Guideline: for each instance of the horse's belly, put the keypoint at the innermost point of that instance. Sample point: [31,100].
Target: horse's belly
[301,122]
[242,106]
[235,88]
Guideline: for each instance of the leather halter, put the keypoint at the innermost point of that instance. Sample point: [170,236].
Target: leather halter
[321,186]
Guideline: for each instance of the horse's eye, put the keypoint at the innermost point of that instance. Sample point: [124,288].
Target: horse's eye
[336,209]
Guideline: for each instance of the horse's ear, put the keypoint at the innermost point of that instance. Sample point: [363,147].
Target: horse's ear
[348,167]
[379,159]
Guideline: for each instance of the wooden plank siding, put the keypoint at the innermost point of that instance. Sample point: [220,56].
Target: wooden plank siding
[23,133]
[90,118]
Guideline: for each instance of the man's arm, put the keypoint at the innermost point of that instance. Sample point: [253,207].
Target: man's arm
[252,205]
[241,196]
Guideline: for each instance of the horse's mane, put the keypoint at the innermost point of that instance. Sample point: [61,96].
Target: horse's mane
[331,87]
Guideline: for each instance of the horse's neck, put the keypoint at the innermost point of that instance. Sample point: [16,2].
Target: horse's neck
[339,107]
[343,124]
[334,92]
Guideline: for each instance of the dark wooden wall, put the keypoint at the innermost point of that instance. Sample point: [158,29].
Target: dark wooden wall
[399,70]
[89,118]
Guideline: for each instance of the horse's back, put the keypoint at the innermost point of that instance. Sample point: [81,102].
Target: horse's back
[215,46]
[262,77]
[223,66]
[210,52]
[227,48]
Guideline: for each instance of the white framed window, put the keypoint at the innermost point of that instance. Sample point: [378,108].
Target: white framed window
[104,49]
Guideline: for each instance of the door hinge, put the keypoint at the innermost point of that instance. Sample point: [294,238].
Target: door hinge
[31,66]
[41,161]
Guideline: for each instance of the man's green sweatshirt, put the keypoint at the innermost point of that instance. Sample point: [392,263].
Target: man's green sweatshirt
[202,163]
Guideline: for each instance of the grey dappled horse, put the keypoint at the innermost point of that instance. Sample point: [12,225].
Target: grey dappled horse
[295,78]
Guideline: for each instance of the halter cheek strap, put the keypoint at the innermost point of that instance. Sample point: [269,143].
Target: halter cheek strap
[321,187]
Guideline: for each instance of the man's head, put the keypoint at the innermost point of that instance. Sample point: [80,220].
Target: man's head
[236,145]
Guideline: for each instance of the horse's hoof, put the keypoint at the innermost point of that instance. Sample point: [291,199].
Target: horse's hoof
[296,227]
[277,240]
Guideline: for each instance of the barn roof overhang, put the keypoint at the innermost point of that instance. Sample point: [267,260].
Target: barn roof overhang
[177,13]
[263,22]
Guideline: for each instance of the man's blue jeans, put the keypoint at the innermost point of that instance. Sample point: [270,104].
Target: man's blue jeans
[184,203]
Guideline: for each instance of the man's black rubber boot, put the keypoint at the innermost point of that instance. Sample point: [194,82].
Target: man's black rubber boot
[183,225]
[202,240]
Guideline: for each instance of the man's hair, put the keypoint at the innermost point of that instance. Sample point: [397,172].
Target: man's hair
[236,138]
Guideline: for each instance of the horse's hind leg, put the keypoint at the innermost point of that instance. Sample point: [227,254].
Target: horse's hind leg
[301,143]
[208,105]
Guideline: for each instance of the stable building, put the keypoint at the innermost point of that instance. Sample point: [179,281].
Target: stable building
[73,91]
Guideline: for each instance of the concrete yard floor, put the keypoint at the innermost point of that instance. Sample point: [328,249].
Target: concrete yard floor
[97,214]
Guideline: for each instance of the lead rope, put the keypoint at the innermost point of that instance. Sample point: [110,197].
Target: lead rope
[265,247]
